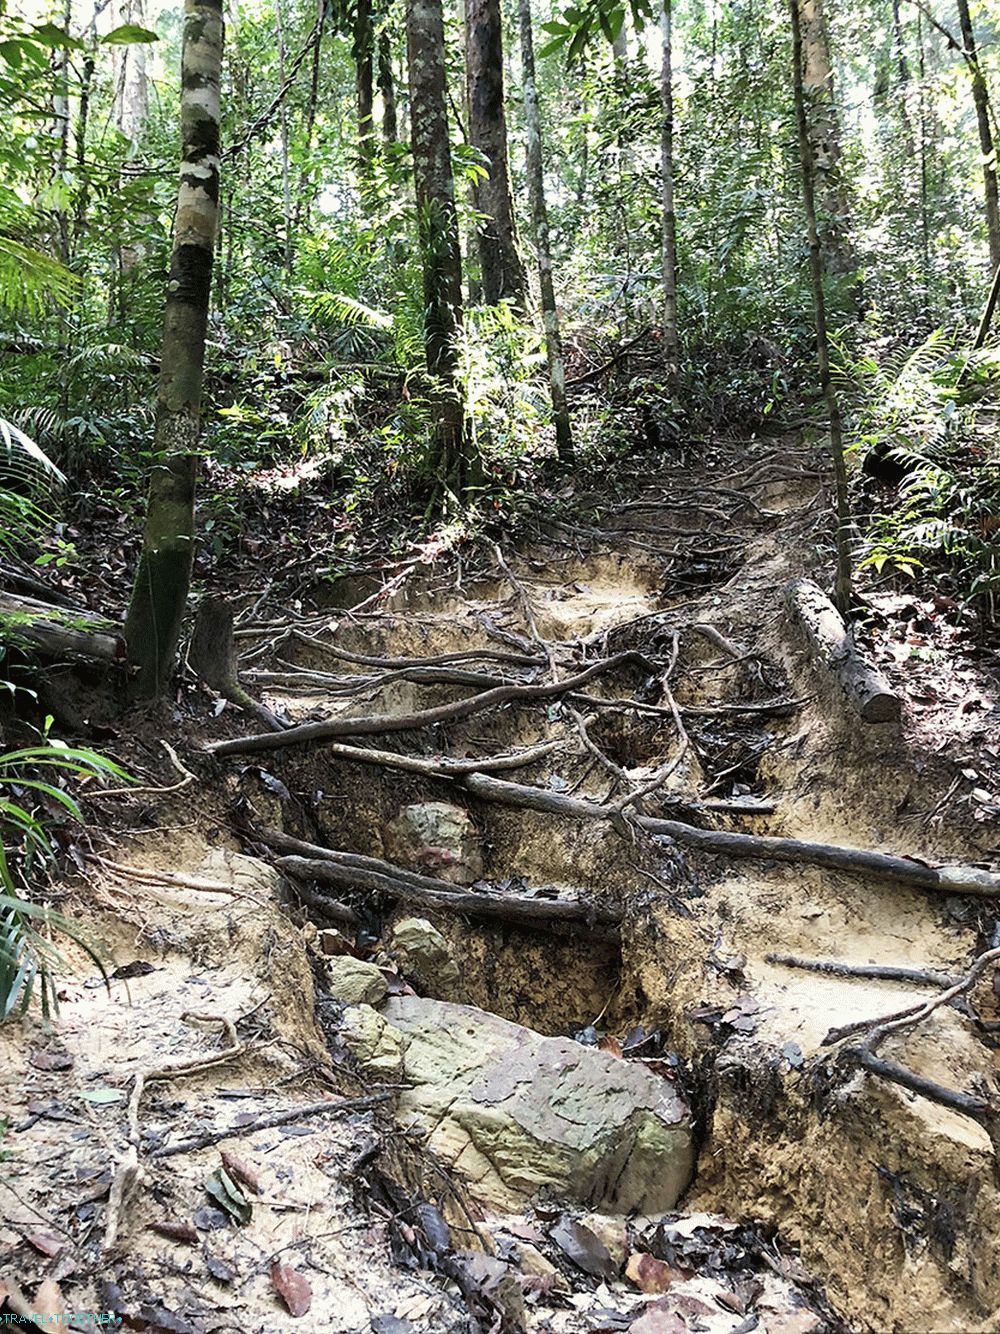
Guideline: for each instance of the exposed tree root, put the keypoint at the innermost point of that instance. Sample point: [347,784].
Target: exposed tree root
[410,722]
[857,861]
[879,971]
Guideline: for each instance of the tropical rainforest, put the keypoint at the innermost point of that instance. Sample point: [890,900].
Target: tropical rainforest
[500,648]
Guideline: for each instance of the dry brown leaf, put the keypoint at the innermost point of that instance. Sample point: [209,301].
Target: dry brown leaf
[48,1299]
[651,1275]
[610,1045]
[45,1242]
[240,1172]
[292,1288]
[176,1231]
[657,1318]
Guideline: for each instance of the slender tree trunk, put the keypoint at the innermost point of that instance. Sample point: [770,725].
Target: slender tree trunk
[131,110]
[987,146]
[387,89]
[439,238]
[501,267]
[286,191]
[843,577]
[364,82]
[540,227]
[303,201]
[816,75]
[671,338]
[159,597]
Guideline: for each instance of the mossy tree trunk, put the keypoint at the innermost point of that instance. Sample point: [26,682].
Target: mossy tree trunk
[502,269]
[843,580]
[160,594]
[364,83]
[980,95]
[387,89]
[823,121]
[540,227]
[441,255]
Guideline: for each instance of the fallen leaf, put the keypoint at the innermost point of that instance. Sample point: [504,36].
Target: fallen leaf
[48,1299]
[292,1288]
[221,1270]
[651,1275]
[48,1059]
[795,1322]
[207,1219]
[584,1248]
[390,1324]
[658,1319]
[240,1172]
[176,1231]
[138,968]
[224,1190]
[102,1095]
[610,1045]
[45,1243]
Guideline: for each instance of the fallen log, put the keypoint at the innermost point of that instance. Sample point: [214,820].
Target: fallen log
[310,861]
[833,648]
[410,722]
[857,861]
[59,631]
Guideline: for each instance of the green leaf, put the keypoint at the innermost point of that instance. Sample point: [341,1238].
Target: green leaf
[56,38]
[101,1096]
[224,1190]
[127,34]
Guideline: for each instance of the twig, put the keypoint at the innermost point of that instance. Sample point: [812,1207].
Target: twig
[172,879]
[127,1171]
[881,972]
[270,1121]
[186,777]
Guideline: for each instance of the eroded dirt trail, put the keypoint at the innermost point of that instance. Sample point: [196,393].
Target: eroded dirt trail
[889,1198]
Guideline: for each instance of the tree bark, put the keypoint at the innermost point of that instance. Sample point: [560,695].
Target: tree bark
[160,594]
[833,647]
[387,90]
[671,338]
[502,269]
[439,239]
[540,227]
[58,631]
[364,83]
[987,146]
[823,134]
[806,159]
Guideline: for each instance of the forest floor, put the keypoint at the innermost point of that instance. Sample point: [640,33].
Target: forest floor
[822,1198]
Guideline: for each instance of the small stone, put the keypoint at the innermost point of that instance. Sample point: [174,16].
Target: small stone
[425,958]
[372,1041]
[533,1262]
[355,982]
[611,1232]
[437,839]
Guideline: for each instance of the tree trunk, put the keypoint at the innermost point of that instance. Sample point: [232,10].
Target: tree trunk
[303,199]
[131,83]
[823,128]
[671,339]
[286,190]
[981,98]
[364,82]
[387,89]
[843,577]
[160,594]
[439,239]
[540,226]
[502,270]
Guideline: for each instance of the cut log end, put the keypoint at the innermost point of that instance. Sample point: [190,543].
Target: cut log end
[833,648]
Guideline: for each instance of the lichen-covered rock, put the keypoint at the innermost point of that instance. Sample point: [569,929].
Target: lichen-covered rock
[372,1042]
[437,839]
[425,958]
[525,1118]
[355,982]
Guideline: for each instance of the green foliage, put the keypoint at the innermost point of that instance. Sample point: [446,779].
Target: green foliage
[920,409]
[32,795]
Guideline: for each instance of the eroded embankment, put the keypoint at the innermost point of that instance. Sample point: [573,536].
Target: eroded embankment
[659,989]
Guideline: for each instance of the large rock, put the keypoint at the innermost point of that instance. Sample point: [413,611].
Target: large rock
[425,958]
[437,839]
[373,1042]
[526,1118]
[355,982]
